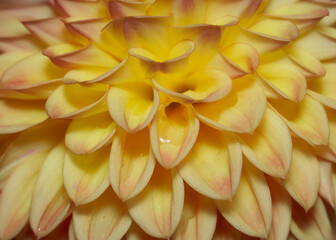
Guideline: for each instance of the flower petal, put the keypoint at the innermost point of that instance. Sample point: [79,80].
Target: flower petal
[173,133]
[213,165]
[198,219]
[132,105]
[120,9]
[17,194]
[29,12]
[50,202]
[104,219]
[327,188]
[18,115]
[81,8]
[136,233]
[86,177]
[86,135]
[131,163]
[250,210]
[234,112]
[270,146]
[304,163]
[158,208]
[67,100]
[308,119]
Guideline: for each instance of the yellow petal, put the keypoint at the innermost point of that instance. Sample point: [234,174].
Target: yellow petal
[250,210]
[331,113]
[132,106]
[304,163]
[213,165]
[198,219]
[10,58]
[312,225]
[86,135]
[270,146]
[284,79]
[158,208]
[173,133]
[234,113]
[87,9]
[131,163]
[104,219]
[67,100]
[86,177]
[281,211]
[188,12]
[120,9]
[50,202]
[327,188]
[203,86]
[307,119]
[21,75]
[17,194]
[16,115]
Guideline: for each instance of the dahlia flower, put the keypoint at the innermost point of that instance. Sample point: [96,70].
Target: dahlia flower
[168,119]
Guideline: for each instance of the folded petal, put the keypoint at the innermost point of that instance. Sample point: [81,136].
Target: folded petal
[18,115]
[67,100]
[50,202]
[173,133]
[304,163]
[213,165]
[86,177]
[17,194]
[86,135]
[234,113]
[198,219]
[132,105]
[269,148]
[327,188]
[131,163]
[250,210]
[104,219]
[307,119]
[158,208]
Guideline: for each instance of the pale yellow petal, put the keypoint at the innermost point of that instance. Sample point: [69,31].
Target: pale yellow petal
[327,189]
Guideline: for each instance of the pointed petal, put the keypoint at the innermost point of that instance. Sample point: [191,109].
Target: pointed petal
[304,163]
[26,43]
[233,113]
[312,225]
[250,210]
[281,211]
[213,166]
[86,177]
[327,188]
[158,208]
[67,100]
[307,119]
[173,133]
[21,75]
[50,202]
[284,79]
[17,194]
[133,106]
[131,163]
[87,9]
[198,219]
[104,219]
[17,115]
[86,135]
[270,146]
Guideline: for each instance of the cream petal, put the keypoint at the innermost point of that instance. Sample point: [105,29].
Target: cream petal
[158,208]
[173,133]
[50,202]
[104,219]
[133,106]
[234,113]
[18,115]
[131,163]
[327,189]
[307,119]
[17,194]
[198,219]
[86,177]
[250,210]
[86,135]
[269,148]
[213,165]
[304,163]
[67,100]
